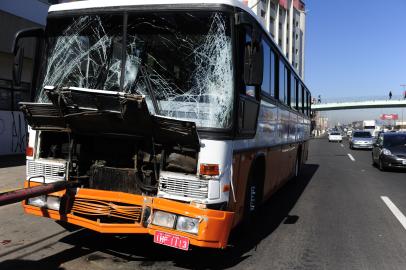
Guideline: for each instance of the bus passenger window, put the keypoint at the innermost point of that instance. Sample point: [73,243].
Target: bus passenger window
[283,82]
[300,98]
[249,89]
[273,73]
[266,82]
[307,102]
[293,85]
[286,101]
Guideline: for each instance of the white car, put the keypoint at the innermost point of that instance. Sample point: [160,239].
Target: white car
[335,137]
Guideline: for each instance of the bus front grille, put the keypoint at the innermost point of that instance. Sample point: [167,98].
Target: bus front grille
[191,188]
[52,171]
[106,211]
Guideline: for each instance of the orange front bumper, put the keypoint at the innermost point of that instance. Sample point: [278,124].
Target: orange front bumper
[214,227]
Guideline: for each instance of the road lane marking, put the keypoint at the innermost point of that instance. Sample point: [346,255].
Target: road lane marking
[395,211]
[351,157]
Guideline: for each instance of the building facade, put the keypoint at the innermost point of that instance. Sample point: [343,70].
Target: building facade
[14,16]
[320,124]
[286,22]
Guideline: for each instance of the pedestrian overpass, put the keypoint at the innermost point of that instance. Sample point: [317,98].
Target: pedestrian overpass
[368,103]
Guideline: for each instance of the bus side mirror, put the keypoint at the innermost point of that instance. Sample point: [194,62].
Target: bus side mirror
[253,63]
[18,66]
[18,51]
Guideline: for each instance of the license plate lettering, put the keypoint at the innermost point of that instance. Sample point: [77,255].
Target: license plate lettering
[171,240]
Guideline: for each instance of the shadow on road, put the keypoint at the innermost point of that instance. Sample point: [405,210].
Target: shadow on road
[143,251]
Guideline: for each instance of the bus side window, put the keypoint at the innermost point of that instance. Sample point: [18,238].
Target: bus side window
[293,84]
[249,89]
[283,82]
[299,96]
[273,73]
[266,82]
[307,112]
[297,83]
[301,92]
[248,107]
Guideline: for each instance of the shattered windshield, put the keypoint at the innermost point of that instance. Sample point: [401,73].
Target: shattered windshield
[181,62]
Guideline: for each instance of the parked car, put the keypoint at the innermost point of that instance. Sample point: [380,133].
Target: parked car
[361,140]
[389,150]
[335,137]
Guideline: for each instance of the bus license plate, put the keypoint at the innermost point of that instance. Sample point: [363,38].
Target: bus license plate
[171,240]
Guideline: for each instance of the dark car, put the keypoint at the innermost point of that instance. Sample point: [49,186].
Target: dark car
[390,151]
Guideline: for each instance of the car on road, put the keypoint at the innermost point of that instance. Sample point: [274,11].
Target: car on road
[335,137]
[361,140]
[389,151]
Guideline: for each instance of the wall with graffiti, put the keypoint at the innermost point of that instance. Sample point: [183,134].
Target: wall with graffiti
[13,133]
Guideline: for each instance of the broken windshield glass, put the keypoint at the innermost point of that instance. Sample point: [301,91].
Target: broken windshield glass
[181,62]
[84,52]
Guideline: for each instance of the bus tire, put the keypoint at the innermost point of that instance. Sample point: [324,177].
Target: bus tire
[298,163]
[298,167]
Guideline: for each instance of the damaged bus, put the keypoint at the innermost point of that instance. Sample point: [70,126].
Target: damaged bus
[177,118]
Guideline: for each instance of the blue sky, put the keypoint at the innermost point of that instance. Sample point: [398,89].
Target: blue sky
[355,48]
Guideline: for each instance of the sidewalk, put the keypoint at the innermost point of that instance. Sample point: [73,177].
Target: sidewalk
[12,172]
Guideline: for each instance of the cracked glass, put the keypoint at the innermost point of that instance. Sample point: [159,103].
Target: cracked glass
[180,62]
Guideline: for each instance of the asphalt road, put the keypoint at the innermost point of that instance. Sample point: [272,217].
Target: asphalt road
[333,217]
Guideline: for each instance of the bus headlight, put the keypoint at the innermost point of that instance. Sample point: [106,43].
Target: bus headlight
[187,224]
[39,201]
[53,203]
[50,202]
[164,219]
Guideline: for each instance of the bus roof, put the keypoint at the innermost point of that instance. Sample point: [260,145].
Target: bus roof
[120,3]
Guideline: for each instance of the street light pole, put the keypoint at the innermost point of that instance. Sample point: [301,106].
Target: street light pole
[404,96]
